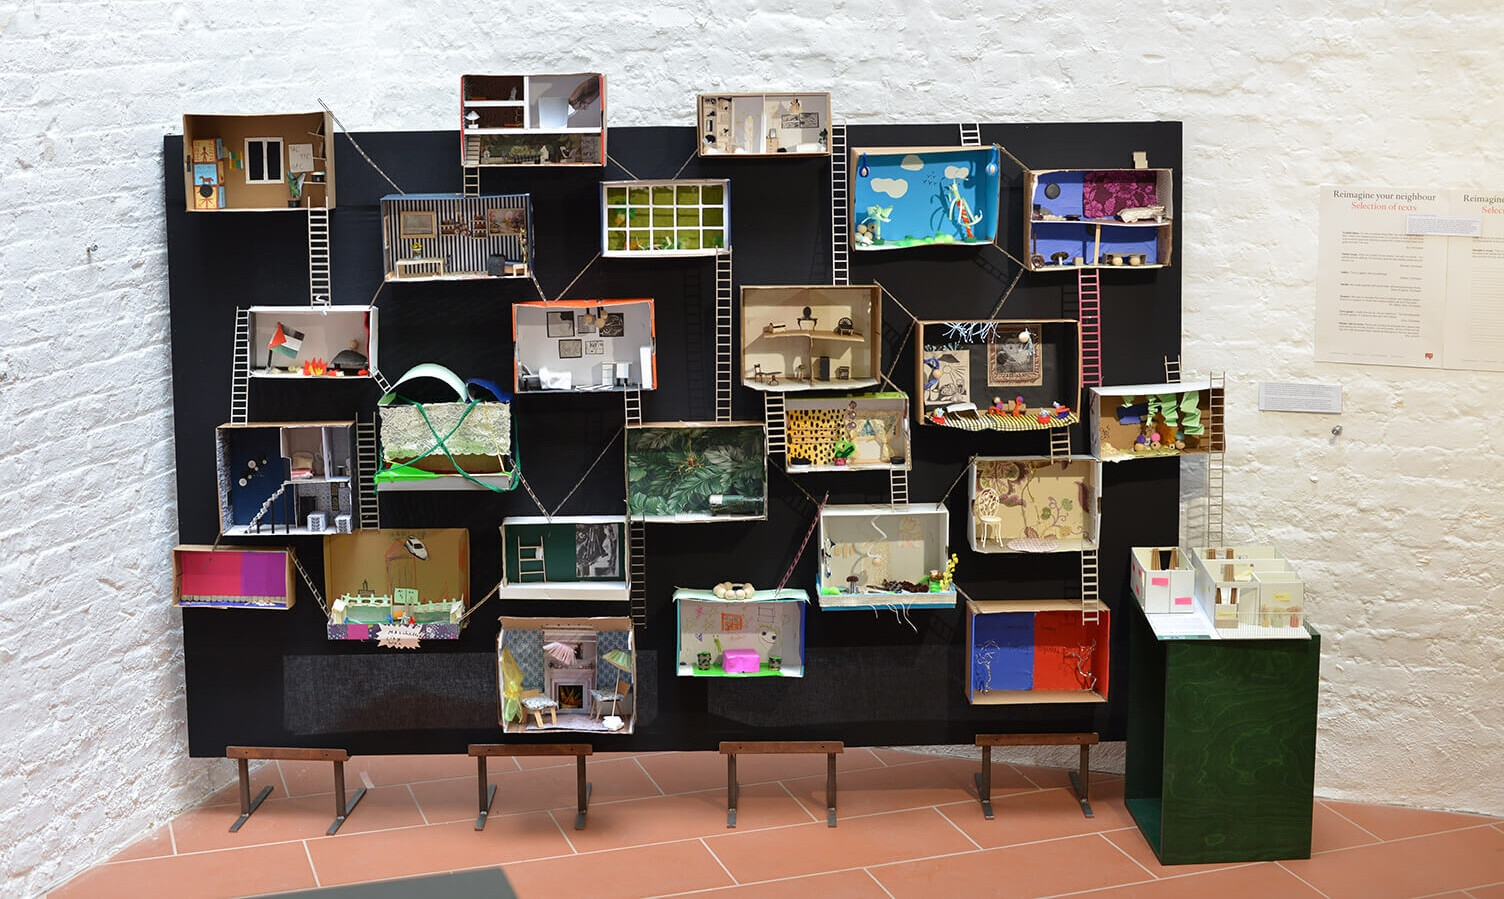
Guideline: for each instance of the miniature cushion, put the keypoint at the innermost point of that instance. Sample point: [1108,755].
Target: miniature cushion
[535,703]
[604,696]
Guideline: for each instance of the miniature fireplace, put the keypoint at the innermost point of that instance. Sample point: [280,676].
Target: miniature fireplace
[570,685]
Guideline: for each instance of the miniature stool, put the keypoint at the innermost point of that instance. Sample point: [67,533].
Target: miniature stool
[243,754]
[535,702]
[1082,785]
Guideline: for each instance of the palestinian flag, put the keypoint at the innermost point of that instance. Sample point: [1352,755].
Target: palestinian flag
[286,341]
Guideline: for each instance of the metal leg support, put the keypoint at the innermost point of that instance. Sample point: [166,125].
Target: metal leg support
[342,808]
[984,782]
[487,793]
[248,805]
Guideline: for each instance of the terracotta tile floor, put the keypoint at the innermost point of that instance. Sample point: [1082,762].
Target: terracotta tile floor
[910,826]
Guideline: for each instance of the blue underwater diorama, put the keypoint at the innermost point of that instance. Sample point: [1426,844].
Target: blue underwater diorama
[921,196]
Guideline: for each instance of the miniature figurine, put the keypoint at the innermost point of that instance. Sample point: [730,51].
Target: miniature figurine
[998,407]
[958,209]
[878,215]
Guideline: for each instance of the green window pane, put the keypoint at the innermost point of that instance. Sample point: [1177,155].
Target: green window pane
[616,196]
[713,194]
[640,240]
[663,196]
[616,217]
[663,218]
[689,195]
[715,216]
[638,195]
[689,240]
[616,240]
[714,238]
[637,217]
[689,218]
[663,240]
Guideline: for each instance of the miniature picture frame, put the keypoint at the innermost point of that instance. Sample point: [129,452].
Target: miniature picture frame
[571,349]
[418,223]
[561,323]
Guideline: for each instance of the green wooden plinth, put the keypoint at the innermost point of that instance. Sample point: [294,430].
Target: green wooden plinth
[1222,746]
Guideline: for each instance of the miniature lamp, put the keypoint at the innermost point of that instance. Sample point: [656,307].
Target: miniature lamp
[861,166]
[619,659]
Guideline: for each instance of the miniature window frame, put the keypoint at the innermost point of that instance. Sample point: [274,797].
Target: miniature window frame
[1053,661]
[1019,506]
[599,347]
[619,627]
[933,526]
[515,586]
[1133,248]
[707,120]
[267,155]
[764,610]
[776,332]
[620,228]
[1057,336]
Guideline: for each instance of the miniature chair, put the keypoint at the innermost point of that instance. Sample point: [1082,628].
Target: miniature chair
[534,701]
[601,697]
[987,517]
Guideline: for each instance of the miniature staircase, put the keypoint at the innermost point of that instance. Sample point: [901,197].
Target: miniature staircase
[723,336]
[971,135]
[318,256]
[840,222]
[312,587]
[530,561]
[365,469]
[898,486]
[240,378]
[1089,296]
[1060,443]
[777,423]
[472,177]
[637,537]
[255,523]
[1214,459]
[1091,607]
[631,401]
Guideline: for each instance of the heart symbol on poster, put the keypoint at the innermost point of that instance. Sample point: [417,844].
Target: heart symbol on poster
[1430,355]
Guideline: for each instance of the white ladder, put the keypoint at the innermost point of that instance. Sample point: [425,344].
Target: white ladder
[1172,370]
[1215,451]
[472,179]
[318,256]
[971,135]
[1089,297]
[898,486]
[631,401]
[381,381]
[240,378]
[777,423]
[308,582]
[1091,606]
[1060,444]
[365,469]
[723,336]
[840,218]
[528,566]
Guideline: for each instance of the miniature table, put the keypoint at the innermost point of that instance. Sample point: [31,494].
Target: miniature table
[420,262]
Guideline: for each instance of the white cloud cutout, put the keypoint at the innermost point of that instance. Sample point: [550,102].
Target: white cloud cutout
[893,187]
[911,163]
[957,172]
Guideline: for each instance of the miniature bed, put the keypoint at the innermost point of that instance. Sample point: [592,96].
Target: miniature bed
[759,634]
[233,577]
[258,163]
[566,674]
[566,557]
[885,557]
[584,345]
[450,237]
[321,342]
[1143,421]
[697,471]
[857,432]
[764,124]
[919,196]
[290,477]
[998,375]
[1034,504]
[1091,218]
[665,218]
[785,348]
[397,586]
[1236,593]
[1035,651]
[532,120]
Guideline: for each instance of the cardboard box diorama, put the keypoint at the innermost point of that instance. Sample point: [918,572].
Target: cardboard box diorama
[397,586]
[451,237]
[259,163]
[681,472]
[508,120]
[289,477]
[464,442]
[233,577]
[740,633]
[808,338]
[885,557]
[324,342]
[665,218]
[1035,651]
[567,674]
[1034,504]
[566,557]
[584,345]
[765,124]
[1249,592]
[1145,421]
[1162,579]
[998,375]
[896,192]
[1098,218]
[856,432]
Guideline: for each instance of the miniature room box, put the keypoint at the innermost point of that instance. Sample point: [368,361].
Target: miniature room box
[1035,651]
[258,163]
[697,471]
[773,123]
[665,218]
[1090,218]
[584,345]
[288,477]
[463,442]
[921,196]
[451,237]
[757,634]
[233,577]
[566,557]
[998,375]
[306,342]
[1034,504]
[1162,579]
[412,581]
[567,674]
[1249,592]
[816,337]
[857,432]
[883,557]
[1138,421]
[532,120]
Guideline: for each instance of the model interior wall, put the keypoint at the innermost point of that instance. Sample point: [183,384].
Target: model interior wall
[1276,101]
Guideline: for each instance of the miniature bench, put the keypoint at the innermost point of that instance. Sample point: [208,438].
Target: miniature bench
[243,755]
[487,790]
[420,262]
[830,748]
[1082,785]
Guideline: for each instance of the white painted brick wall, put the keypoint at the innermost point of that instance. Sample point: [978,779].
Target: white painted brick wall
[1395,524]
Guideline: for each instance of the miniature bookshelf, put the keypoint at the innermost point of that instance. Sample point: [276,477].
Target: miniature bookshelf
[233,577]
[511,120]
[1034,504]
[580,673]
[785,347]
[883,557]
[566,557]
[761,635]
[258,163]
[584,346]
[857,432]
[895,192]
[284,477]
[384,580]
[1098,218]
[326,342]
[765,124]
[449,237]
[997,375]
[1035,651]
[665,218]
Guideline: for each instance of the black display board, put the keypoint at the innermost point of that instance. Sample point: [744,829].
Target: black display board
[272,678]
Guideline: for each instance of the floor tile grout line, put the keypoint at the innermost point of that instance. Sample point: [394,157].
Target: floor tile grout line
[649,775]
[1128,856]
[560,828]
[734,881]
[282,776]
[946,818]
[887,892]
[1280,864]
[308,853]
[1351,821]
[173,837]
[418,805]
[804,808]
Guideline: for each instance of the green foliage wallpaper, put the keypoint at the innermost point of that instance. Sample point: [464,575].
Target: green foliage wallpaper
[674,471]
